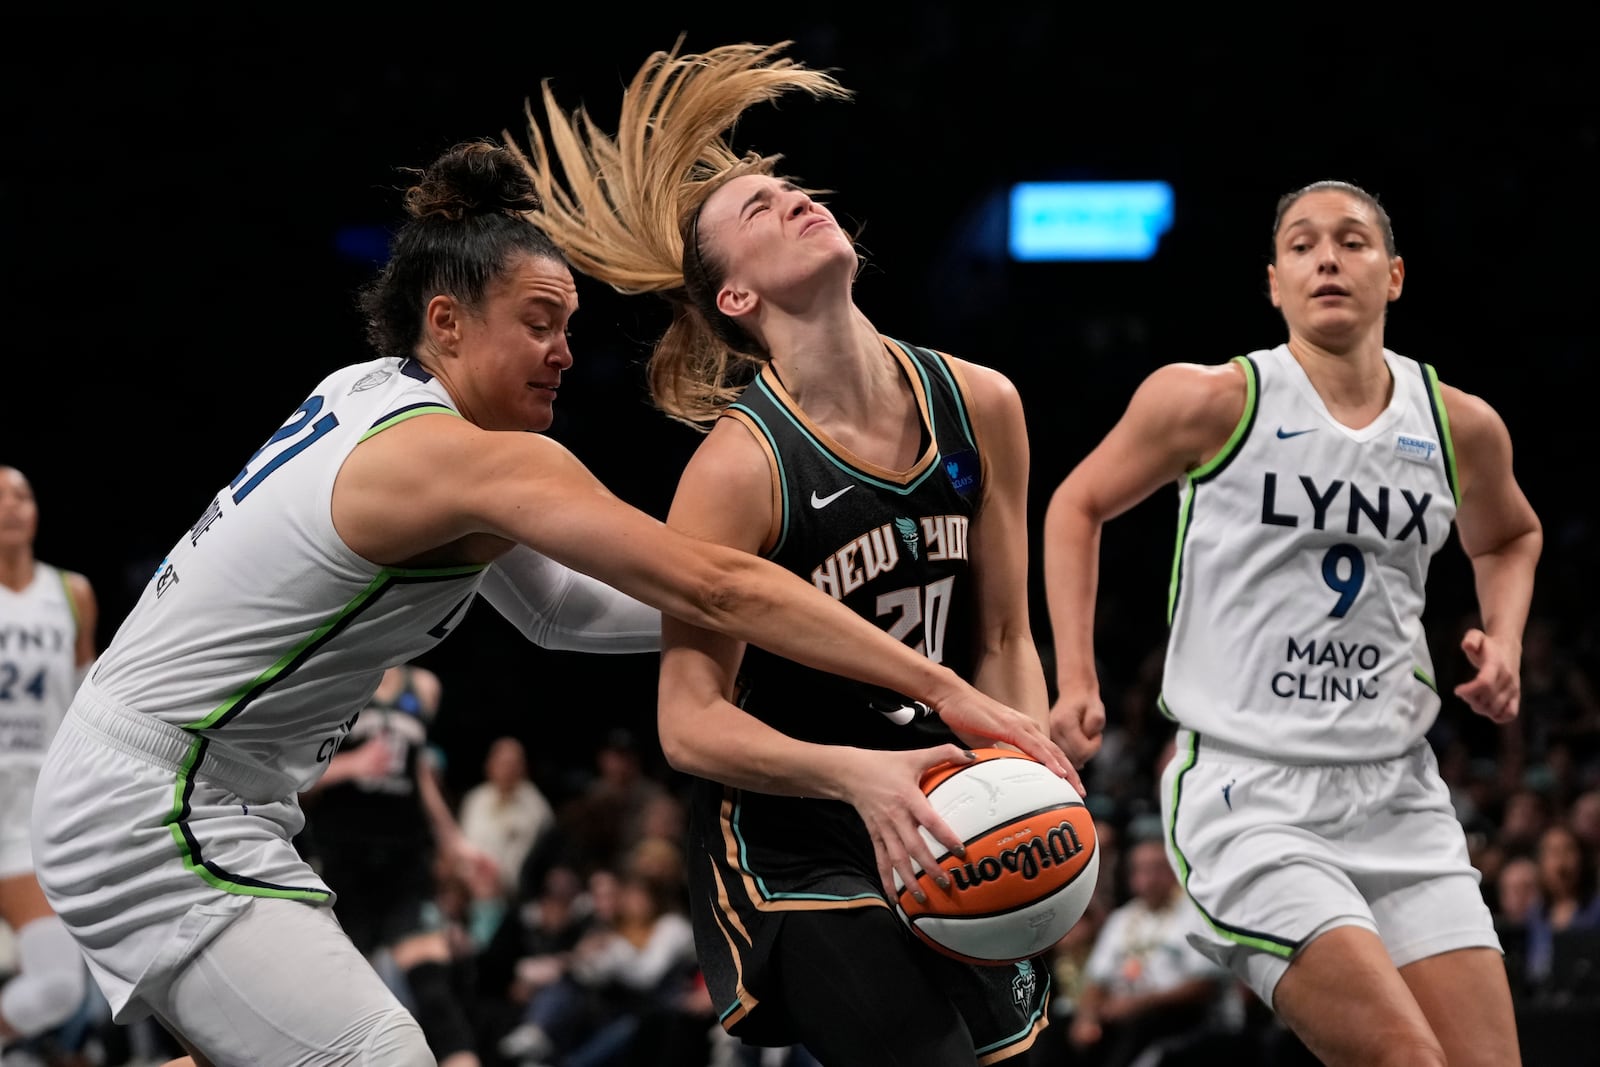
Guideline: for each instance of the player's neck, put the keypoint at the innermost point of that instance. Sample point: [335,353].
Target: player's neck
[1354,383]
[831,362]
[16,568]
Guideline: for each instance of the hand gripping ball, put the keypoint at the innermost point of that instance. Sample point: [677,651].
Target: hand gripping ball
[1031,864]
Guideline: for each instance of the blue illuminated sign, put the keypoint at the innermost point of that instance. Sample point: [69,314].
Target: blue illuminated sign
[1088,220]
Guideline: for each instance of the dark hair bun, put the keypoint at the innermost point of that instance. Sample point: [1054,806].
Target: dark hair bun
[473,178]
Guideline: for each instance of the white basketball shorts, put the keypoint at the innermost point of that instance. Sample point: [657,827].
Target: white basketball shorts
[148,844]
[1275,854]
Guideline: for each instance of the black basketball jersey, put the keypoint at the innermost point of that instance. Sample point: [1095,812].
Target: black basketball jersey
[893,546]
[385,810]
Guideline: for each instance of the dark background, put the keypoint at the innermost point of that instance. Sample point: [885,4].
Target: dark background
[175,188]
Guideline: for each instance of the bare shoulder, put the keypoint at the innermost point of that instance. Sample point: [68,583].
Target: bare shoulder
[84,604]
[1194,406]
[734,454]
[988,389]
[1206,391]
[1493,509]
[1472,419]
[79,586]
[435,442]
[423,484]
[728,492]
[1479,435]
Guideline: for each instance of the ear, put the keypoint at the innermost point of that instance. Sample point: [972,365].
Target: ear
[1272,285]
[1397,278]
[734,302]
[441,322]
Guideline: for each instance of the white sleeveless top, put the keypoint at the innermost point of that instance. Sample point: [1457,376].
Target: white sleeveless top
[1298,581]
[38,664]
[262,631]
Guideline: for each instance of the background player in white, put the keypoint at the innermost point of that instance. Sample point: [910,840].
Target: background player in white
[351,541]
[1304,809]
[47,622]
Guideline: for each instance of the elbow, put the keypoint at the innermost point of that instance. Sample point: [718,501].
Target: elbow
[1523,548]
[686,758]
[676,738]
[731,592]
[1069,514]
[677,752]
[1535,539]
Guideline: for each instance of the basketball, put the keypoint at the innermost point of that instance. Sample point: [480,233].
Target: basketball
[1031,864]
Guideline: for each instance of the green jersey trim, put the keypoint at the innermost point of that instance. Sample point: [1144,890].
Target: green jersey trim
[1210,469]
[409,413]
[291,659]
[189,846]
[1277,946]
[1441,423]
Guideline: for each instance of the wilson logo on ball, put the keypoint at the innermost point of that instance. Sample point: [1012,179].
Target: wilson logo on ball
[1029,860]
[1019,889]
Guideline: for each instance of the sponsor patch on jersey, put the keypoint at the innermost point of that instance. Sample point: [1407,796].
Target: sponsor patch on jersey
[1416,449]
[962,470]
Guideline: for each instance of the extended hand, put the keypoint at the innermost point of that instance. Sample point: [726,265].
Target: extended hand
[1077,724]
[972,714]
[1495,692]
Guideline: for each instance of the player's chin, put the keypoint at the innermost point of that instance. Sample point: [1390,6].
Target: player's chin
[540,409]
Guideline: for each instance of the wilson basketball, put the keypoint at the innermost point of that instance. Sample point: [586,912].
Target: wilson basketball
[1031,864]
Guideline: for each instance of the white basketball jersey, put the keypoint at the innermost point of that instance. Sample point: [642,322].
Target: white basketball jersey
[38,663]
[1298,582]
[262,632]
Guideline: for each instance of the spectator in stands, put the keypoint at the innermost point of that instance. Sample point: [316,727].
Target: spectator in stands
[1517,895]
[640,963]
[506,814]
[1146,989]
[1584,817]
[1560,702]
[607,817]
[1569,899]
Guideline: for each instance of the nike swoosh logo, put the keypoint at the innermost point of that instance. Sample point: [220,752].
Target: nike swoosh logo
[1284,435]
[824,501]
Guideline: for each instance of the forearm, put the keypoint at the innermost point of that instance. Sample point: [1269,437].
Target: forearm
[1072,575]
[557,607]
[446,831]
[789,617]
[1010,671]
[726,744]
[715,587]
[1504,582]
